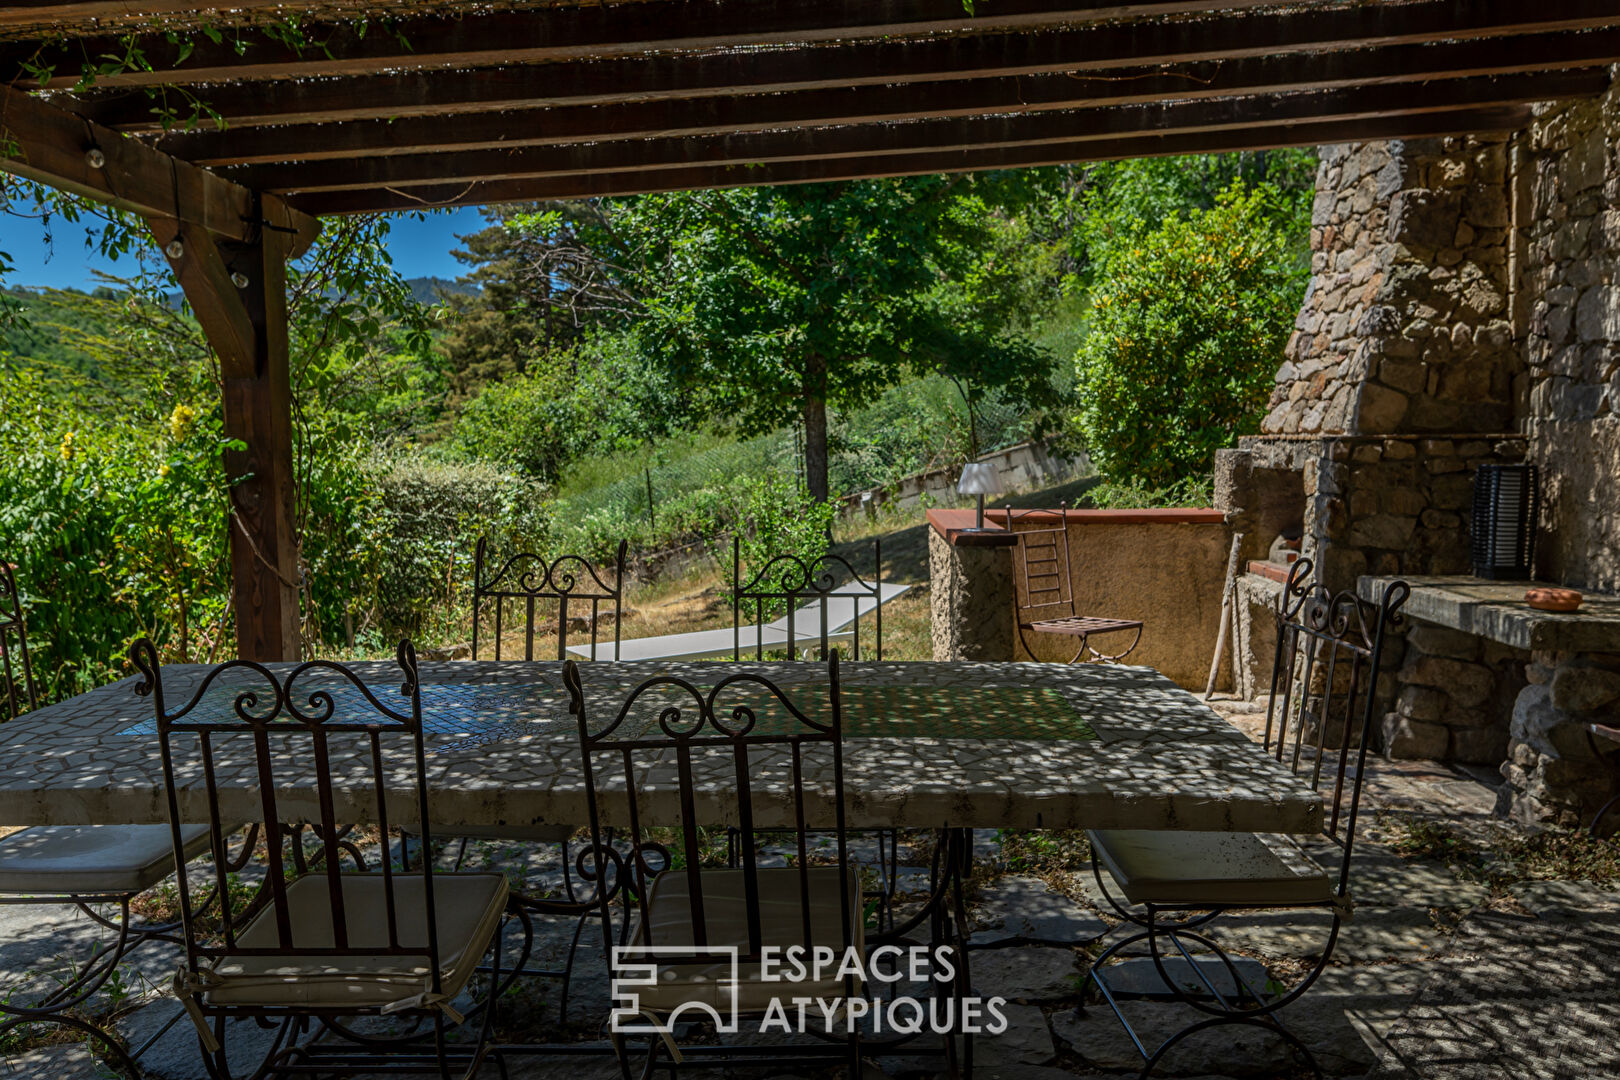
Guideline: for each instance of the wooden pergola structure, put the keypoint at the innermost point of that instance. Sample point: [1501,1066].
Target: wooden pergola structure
[349,107]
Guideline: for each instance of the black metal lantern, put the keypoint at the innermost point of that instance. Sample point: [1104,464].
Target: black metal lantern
[1506,503]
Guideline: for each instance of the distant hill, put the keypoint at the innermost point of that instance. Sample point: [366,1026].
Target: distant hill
[431,290]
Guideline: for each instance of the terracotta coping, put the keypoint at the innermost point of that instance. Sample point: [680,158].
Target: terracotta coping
[956,526]
[1177,515]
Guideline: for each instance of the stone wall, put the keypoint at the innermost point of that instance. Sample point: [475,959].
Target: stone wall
[1455,697]
[1555,775]
[1379,504]
[1567,191]
[1405,325]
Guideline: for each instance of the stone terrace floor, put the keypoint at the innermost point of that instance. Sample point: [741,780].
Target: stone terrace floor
[1039,917]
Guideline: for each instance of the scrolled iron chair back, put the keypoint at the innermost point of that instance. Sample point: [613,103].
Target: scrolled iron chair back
[1324,682]
[791,579]
[317,715]
[1038,547]
[16,667]
[720,728]
[528,579]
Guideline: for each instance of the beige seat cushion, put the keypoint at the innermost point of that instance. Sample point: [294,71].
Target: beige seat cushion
[725,915]
[92,859]
[1210,868]
[469,908]
[535,834]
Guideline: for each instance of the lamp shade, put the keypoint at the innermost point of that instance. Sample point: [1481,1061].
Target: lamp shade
[979,478]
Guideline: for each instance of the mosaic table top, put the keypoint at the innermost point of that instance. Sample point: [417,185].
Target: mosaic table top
[926,745]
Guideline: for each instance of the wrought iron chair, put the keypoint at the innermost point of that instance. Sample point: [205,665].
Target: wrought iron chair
[534,583]
[1049,606]
[838,597]
[1323,686]
[530,581]
[695,924]
[319,947]
[92,868]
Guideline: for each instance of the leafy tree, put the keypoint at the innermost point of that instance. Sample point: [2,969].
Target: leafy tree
[1187,328]
[776,304]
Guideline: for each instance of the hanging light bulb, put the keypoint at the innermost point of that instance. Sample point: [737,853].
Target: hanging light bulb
[239,279]
[95,158]
[174,249]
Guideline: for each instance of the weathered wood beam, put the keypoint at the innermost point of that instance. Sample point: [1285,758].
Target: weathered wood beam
[940,161]
[1092,49]
[1389,65]
[972,133]
[246,323]
[42,142]
[496,38]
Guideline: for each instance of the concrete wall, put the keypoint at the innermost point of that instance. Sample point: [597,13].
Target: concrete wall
[1022,467]
[1164,567]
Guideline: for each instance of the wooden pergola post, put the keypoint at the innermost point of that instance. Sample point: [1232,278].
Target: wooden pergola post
[228,246]
[239,294]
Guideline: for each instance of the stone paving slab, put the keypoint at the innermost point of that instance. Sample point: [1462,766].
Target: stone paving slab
[1025,909]
[1033,974]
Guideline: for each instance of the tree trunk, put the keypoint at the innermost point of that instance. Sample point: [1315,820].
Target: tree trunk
[815,427]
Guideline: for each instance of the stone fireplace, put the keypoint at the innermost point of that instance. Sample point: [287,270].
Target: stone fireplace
[1463,309]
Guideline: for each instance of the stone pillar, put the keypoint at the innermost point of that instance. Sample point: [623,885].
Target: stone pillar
[1554,775]
[970,599]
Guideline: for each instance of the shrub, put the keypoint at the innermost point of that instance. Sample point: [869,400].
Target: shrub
[429,518]
[1187,330]
[776,516]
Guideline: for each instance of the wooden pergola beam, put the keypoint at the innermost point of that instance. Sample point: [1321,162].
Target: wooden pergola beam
[877,140]
[1390,65]
[45,143]
[600,31]
[867,63]
[583,185]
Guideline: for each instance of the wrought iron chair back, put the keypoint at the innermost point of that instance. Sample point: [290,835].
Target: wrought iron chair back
[793,580]
[1324,689]
[243,715]
[529,580]
[16,669]
[711,747]
[1044,564]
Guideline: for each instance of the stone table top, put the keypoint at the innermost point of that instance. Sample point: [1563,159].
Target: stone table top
[1112,747]
[1497,610]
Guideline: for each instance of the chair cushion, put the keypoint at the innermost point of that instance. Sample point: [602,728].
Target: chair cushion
[93,859]
[725,914]
[537,834]
[468,906]
[1210,868]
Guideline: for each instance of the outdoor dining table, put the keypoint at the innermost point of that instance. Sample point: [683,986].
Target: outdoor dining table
[926,745]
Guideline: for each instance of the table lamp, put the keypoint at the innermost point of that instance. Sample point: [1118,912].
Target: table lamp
[979,478]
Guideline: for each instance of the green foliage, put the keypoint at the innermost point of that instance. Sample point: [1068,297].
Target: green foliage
[1187,328]
[590,400]
[767,306]
[777,517]
[1113,495]
[429,517]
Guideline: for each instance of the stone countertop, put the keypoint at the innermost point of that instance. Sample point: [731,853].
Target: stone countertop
[1497,610]
[1161,758]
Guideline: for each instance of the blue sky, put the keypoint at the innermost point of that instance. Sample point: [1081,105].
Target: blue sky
[420,249]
